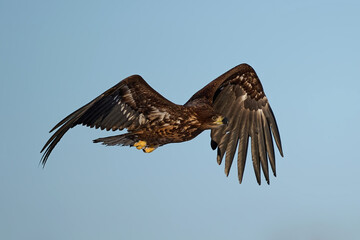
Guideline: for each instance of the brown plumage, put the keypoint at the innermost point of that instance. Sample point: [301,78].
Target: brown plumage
[233,106]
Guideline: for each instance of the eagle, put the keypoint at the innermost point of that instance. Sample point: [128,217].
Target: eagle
[233,107]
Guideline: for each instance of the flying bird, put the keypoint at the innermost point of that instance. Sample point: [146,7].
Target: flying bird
[233,106]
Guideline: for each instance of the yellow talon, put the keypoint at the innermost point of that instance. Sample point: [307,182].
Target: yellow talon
[149,149]
[140,145]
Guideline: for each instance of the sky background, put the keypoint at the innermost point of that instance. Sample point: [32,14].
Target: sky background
[55,56]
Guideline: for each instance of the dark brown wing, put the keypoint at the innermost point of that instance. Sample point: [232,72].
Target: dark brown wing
[239,96]
[129,104]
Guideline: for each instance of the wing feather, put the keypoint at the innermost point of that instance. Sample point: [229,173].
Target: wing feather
[255,146]
[275,130]
[233,140]
[243,147]
[230,151]
[262,148]
[269,145]
[222,146]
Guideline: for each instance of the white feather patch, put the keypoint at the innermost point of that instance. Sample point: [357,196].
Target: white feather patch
[159,114]
[142,119]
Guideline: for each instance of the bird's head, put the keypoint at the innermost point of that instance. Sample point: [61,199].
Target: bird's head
[218,120]
[208,117]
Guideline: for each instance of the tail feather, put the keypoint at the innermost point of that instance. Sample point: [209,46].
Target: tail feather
[127,139]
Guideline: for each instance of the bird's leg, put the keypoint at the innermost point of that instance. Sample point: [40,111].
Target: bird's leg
[140,144]
[149,149]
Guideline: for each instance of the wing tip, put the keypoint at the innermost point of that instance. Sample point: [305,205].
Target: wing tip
[240,179]
[281,152]
[43,160]
[213,144]
[227,171]
[219,156]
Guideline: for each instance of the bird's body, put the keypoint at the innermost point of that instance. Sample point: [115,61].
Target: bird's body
[233,106]
[161,127]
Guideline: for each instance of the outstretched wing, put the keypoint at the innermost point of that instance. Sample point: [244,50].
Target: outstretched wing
[239,96]
[129,104]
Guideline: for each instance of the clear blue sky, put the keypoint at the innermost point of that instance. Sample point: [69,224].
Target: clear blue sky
[55,56]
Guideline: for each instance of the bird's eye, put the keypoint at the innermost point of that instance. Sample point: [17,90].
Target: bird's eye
[214,118]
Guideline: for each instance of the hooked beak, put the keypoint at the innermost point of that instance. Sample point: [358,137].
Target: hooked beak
[221,120]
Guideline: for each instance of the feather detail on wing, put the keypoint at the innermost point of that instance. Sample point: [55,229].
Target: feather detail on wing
[129,104]
[238,95]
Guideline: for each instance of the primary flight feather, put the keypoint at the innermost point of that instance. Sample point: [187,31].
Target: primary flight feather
[233,106]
